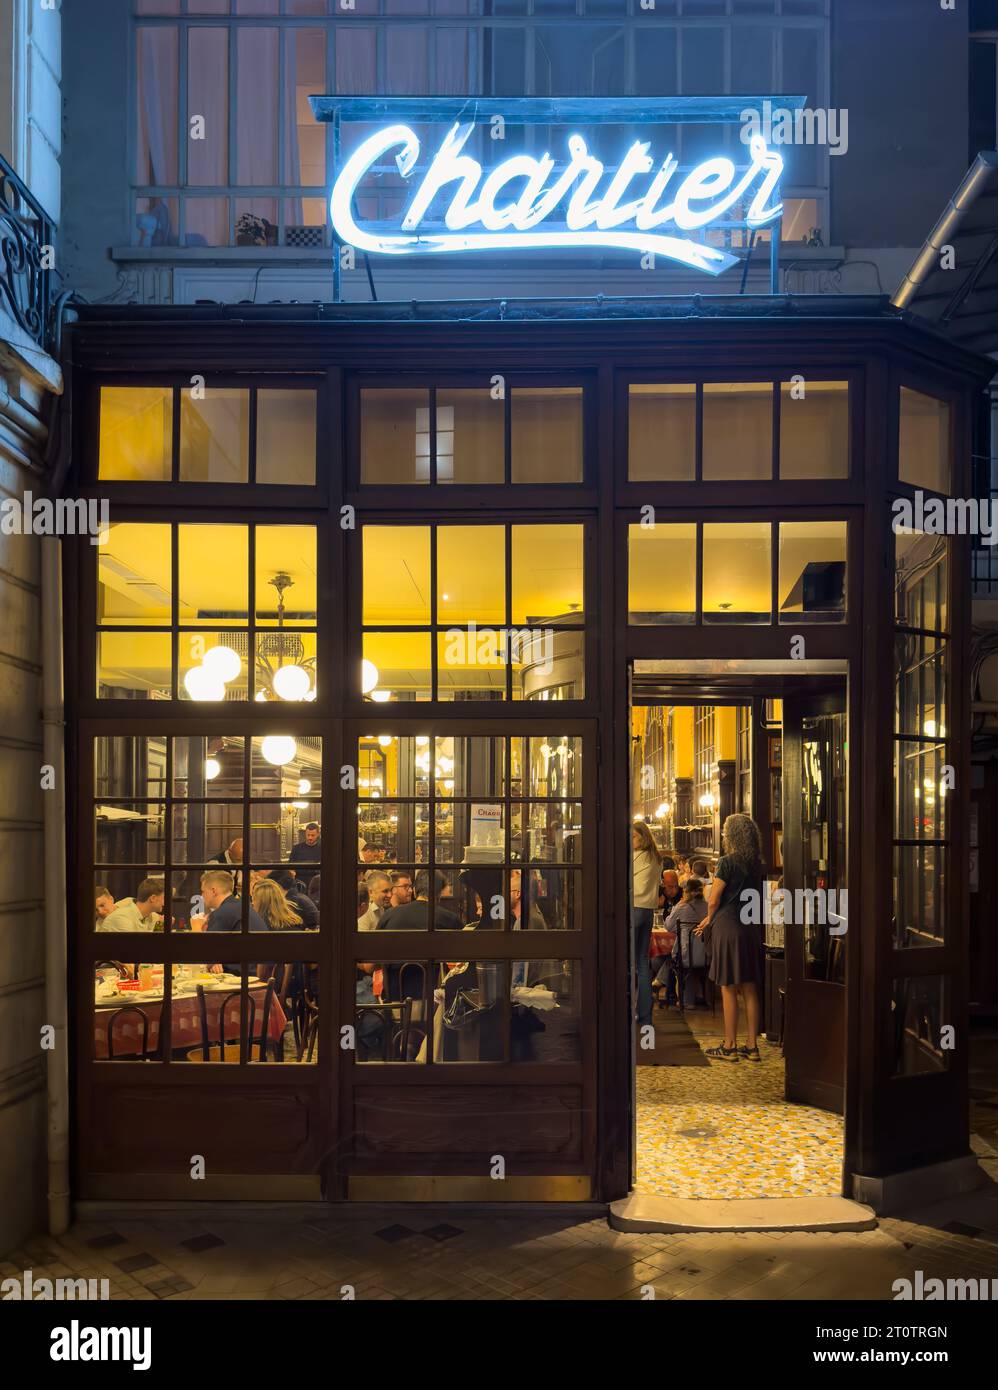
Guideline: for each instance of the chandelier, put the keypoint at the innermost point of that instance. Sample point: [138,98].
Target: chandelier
[283,671]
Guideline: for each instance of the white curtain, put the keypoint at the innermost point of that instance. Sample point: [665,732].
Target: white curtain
[158,85]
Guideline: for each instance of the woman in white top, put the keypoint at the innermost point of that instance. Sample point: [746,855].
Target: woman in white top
[646,870]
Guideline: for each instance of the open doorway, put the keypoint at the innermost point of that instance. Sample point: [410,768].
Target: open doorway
[776,750]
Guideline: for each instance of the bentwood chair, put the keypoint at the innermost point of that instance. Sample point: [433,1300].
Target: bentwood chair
[143,1054]
[391,1041]
[310,1026]
[286,989]
[221,1050]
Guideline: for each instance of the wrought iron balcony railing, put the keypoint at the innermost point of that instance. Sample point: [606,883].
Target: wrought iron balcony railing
[27,235]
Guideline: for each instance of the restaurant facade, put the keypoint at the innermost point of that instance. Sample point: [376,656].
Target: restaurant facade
[402,571]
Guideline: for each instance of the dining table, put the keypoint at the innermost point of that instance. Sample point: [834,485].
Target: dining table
[185,1015]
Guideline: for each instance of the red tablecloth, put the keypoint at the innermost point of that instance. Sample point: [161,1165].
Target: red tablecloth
[186,1022]
[662,943]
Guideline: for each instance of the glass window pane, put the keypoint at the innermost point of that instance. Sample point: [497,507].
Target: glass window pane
[136,434]
[737,430]
[471,574]
[814,429]
[134,665]
[256,106]
[394,766]
[286,579]
[394,1002]
[157,85]
[471,665]
[516,1011]
[128,1011]
[156,221]
[470,437]
[919,895]
[548,574]
[921,577]
[277,830]
[920,686]
[286,1027]
[736,572]
[548,664]
[662,573]
[554,900]
[213,666]
[812,585]
[208,832]
[924,442]
[206,222]
[922,791]
[208,765]
[133,575]
[469,1023]
[130,766]
[546,434]
[555,765]
[662,433]
[550,832]
[280,762]
[473,765]
[214,436]
[396,666]
[918,1014]
[214,574]
[396,575]
[208,99]
[129,832]
[285,437]
[304,73]
[397,832]
[116,891]
[394,436]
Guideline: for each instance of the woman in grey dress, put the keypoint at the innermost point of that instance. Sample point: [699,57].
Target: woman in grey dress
[732,932]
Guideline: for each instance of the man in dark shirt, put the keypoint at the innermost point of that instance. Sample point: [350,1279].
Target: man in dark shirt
[224,910]
[309,850]
[415,916]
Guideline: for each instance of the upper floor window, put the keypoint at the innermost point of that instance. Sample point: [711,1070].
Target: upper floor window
[526,434]
[924,448]
[722,431]
[227,152]
[159,434]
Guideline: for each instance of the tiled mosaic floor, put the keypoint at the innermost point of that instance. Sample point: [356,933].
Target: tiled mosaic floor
[415,1253]
[726,1131]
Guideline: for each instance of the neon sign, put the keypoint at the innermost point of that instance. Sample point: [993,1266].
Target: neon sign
[510,207]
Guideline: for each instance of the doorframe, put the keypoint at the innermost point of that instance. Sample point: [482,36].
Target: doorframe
[763,686]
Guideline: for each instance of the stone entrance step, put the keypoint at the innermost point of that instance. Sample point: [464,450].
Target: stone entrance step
[646,1212]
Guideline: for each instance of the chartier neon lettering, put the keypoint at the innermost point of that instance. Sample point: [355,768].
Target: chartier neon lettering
[591,219]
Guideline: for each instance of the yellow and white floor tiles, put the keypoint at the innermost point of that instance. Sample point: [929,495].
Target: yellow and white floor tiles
[725,1131]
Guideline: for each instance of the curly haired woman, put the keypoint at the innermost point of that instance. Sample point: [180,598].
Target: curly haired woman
[736,958]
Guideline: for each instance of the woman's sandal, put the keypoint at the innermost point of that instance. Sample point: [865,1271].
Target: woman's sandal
[751,1054]
[726,1054]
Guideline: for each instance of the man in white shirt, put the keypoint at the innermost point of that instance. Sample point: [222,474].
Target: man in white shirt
[379,896]
[144,912]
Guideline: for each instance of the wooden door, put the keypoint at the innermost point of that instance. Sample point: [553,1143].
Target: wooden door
[814,856]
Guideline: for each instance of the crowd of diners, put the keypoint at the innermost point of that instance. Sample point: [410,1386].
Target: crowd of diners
[283,898]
